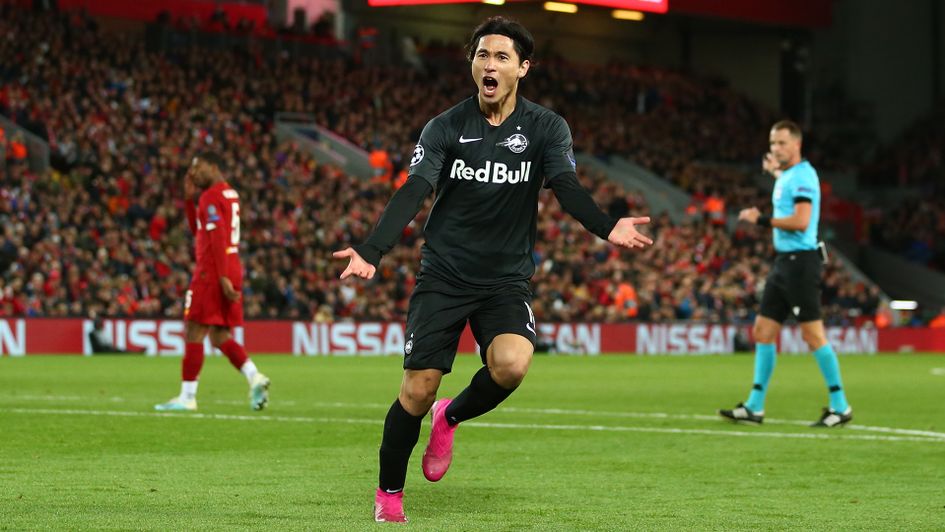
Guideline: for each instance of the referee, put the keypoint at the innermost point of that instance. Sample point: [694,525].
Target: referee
[792,289]
[486,160]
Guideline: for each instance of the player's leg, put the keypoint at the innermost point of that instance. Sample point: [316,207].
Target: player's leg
[765,331]
[504,327]
[805,293]
[773,311]
[401,433]
[435,322]
[508,358]
[839,413]
[192,363]
[222,338]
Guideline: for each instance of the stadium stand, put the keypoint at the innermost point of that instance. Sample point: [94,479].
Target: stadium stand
[101,232]
[914,228]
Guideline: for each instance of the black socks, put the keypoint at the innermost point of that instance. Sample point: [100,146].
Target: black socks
[482,395]
[401,432]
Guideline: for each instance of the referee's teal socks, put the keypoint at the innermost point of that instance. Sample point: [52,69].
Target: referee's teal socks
[830,368]
[765,355]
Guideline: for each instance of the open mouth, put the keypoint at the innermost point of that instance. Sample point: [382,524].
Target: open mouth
[489,85]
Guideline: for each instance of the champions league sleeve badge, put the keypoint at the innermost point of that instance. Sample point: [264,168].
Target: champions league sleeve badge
[417,155]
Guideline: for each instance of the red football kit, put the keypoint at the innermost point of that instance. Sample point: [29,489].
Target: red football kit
[216,224]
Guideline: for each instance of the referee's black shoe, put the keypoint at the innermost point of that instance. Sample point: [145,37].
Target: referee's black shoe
[832,418]
[741,414]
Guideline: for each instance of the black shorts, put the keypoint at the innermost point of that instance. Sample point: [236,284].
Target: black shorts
[438,314]
[793,287]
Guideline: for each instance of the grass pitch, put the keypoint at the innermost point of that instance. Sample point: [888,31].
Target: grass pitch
[602,443]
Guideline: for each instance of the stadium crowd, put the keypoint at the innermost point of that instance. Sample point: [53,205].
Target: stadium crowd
[915,229]
[102,232]
[77,244]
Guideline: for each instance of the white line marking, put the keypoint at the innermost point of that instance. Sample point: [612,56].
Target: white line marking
[647,415]
[710,432]
[938,371]
[890,430]
[189,415]
[67,398]
[548,411]
[48,397]
[655,415]
[242,403]
[703,417]
[529,426]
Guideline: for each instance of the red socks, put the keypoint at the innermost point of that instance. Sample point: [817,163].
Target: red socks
[234,352]
[193,361]
[193,358]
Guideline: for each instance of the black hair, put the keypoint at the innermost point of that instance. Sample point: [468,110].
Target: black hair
[521,38]
[213,158]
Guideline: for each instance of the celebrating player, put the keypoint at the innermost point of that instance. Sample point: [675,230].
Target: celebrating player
[212,305]
[487,158]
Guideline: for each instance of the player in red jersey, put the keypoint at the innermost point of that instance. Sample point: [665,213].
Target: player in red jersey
[212,305]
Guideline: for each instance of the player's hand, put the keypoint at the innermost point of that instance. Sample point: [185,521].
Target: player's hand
[356,266]
[749,215]
[771,165]
[228,291]
[625,233]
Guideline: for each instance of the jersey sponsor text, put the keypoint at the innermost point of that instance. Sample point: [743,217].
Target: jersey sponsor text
[492,172]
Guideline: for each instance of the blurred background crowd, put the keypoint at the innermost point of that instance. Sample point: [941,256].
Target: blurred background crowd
[102,232]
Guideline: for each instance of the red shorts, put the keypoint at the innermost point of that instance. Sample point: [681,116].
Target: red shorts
[206,305]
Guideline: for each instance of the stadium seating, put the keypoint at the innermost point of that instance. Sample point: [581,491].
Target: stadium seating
[103,233]
[914,160]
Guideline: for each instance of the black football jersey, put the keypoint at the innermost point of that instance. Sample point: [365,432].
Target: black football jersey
[481,230]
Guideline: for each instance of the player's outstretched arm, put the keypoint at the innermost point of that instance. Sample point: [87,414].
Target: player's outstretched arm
[625,233]
[403,207]
[357,266]
[577,202]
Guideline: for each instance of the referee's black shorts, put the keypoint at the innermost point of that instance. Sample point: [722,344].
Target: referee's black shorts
[792,289]
[439,311]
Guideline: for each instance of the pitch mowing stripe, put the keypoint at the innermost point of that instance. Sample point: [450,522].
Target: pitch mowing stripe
[526,426]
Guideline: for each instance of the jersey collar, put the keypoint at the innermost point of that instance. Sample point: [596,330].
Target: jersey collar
[518,106]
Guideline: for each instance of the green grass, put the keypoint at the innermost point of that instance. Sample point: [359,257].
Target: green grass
[81,448]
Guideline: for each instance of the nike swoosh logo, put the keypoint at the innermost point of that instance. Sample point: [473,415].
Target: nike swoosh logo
[464,141]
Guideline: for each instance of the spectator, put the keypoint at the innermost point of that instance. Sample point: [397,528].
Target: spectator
[100,343]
